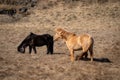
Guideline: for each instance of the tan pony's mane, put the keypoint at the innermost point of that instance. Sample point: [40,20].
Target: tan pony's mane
[65,33]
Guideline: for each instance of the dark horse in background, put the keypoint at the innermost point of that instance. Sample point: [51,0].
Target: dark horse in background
[9,12]
[34,40]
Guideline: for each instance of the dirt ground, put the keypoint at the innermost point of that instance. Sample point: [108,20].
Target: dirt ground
[101,21]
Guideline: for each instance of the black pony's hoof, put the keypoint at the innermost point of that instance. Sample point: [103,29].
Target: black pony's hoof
[51,53]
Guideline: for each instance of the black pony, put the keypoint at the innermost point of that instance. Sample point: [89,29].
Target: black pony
[34,40]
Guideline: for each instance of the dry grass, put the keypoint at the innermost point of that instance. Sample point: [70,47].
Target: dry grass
[13,2]
[3,6]
[97,20]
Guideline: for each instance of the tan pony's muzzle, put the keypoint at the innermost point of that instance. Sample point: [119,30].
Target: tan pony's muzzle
[56,37]
[58,34]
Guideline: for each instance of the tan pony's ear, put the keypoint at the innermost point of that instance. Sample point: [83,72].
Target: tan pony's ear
[58,29]
[55,30]
[61,32]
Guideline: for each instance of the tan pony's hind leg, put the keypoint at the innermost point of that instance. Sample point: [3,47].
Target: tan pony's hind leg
[81,56]
[84,40]
[84,53]
[91,53]
[91,49]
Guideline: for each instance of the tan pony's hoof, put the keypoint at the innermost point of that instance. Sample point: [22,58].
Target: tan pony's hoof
[72,59]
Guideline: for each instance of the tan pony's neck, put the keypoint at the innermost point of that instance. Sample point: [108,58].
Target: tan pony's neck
[66,35]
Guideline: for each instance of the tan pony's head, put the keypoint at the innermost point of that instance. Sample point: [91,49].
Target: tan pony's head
[58,33]
[61,34]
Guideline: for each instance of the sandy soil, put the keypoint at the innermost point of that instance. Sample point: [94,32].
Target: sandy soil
[101,21]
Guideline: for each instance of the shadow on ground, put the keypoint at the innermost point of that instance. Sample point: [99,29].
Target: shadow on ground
[102,60]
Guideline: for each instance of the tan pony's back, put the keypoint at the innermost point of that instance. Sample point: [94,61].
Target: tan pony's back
[82,42]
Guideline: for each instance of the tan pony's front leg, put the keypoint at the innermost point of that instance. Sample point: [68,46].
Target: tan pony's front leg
[72,55]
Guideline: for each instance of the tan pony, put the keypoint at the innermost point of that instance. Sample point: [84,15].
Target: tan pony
[82,42]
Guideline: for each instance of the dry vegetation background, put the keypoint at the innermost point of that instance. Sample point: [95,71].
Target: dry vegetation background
[100,18]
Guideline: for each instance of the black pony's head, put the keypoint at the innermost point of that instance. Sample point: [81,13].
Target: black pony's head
[26,42]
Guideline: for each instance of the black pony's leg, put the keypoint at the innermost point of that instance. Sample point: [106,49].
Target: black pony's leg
[34,48]
[47,49]
[51,48]
[30,49]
